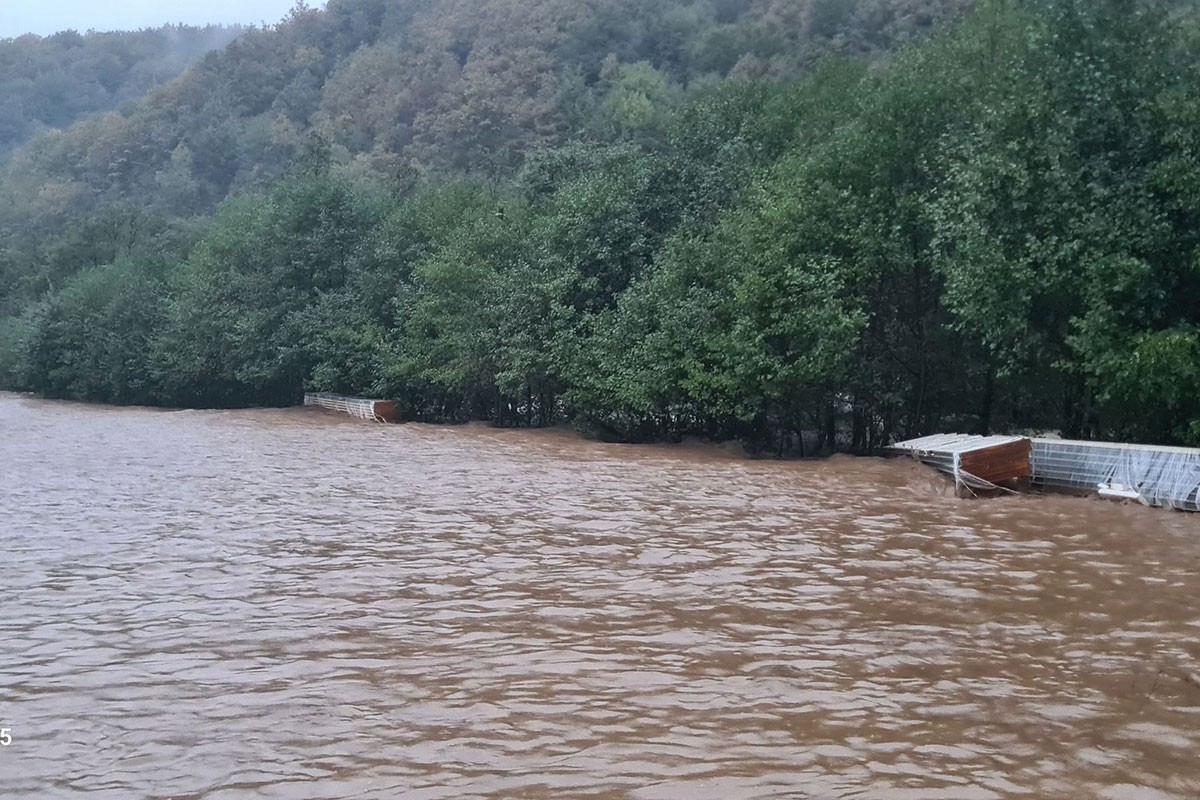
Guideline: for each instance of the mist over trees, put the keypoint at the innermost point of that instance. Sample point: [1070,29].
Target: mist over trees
[738,218]
[52,81]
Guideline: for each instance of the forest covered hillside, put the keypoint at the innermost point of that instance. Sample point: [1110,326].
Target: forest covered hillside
[735,218]
[464,87]
[52,81]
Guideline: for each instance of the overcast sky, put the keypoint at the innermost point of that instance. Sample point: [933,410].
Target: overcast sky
[44,17]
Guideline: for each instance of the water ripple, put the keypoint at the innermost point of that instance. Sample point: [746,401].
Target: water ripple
[285,604]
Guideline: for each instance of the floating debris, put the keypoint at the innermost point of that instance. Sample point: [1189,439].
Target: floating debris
[1159,476]
[360,407]
[977,463]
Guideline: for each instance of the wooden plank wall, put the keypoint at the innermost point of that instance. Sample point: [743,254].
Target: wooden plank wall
[1009,465]
[385,411]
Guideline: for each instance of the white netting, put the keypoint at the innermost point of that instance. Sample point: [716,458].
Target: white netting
[974,483]
[1160,476]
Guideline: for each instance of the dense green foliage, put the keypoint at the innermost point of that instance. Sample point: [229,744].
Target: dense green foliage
[50,82]
[647,219]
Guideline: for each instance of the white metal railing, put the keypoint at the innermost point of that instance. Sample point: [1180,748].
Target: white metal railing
[359,407]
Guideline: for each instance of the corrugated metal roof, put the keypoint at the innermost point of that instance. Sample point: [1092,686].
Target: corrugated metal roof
[952,443]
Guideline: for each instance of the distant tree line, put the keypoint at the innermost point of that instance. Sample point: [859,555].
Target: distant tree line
[49,82]
[462,88]
[993,228]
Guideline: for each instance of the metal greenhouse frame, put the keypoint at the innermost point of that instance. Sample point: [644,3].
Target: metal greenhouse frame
[1167,477]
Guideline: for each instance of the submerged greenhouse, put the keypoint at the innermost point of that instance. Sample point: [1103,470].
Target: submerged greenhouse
[1165,477]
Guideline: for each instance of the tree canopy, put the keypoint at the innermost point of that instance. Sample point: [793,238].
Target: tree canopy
[801,224]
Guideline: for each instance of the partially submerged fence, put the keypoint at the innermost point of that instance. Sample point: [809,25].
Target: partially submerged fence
[1168,477]
[360,407]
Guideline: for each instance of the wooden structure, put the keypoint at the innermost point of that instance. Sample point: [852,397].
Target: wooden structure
[360,407]
[977,463]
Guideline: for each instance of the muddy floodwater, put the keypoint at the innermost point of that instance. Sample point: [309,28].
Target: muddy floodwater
[292,604]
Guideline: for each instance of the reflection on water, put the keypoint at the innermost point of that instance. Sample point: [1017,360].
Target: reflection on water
[286,604]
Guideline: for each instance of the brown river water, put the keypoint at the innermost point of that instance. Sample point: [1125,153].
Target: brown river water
[292,604]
